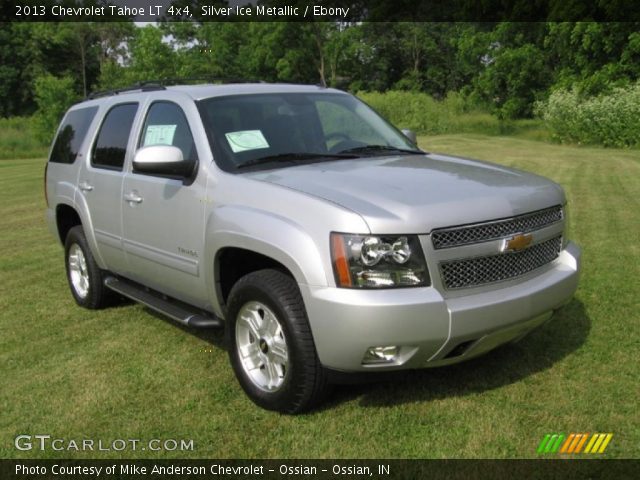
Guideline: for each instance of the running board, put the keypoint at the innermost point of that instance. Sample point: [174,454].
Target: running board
[173,309]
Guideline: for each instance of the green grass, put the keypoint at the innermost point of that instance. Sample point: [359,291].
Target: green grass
[127,373]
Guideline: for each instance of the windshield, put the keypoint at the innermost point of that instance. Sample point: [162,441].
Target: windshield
[282,129]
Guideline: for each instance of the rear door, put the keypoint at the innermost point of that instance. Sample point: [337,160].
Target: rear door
[64,160]
[163,217]
[100,182]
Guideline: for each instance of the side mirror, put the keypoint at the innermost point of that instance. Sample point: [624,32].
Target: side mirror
[411,135]
[161,160]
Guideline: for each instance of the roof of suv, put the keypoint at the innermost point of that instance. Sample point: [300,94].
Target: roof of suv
[201,91]
[198,92]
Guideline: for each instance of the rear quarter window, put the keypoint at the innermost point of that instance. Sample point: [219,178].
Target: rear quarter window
[73,130]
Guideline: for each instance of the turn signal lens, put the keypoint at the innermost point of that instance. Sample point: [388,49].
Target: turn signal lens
[340,263]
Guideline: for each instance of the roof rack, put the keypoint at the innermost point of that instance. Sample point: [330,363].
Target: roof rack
[152,85]
[143,87]
[203,79]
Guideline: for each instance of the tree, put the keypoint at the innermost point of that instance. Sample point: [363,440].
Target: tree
[151,57]
[16,77]
[513,80]
[113,41]
[54,95]
[595,57]
[280,51]
[212,49]
[330,40]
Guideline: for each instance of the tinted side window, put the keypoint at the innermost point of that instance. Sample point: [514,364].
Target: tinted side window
[166,124]
[111,146]
[71,135]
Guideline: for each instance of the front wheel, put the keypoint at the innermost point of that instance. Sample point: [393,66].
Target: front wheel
[271,347]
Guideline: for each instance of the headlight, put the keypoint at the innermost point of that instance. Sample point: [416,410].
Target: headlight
[371,261]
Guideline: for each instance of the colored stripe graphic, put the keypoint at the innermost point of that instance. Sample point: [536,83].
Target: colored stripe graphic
[543,443]
[551,443]
[574,443]
[606,442]
[596,446]
[598,443]
[566,444]
[556,445]
[590,444]
[578,442]
[584,439]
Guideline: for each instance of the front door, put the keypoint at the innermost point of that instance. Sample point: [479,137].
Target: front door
[163,217]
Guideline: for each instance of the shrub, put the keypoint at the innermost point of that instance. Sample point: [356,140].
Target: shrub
[611,120]
[422,114]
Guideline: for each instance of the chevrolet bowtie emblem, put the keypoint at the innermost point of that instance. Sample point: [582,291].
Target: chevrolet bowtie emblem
[517,242]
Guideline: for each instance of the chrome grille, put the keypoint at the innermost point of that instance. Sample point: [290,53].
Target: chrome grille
[472,272]
[482,232]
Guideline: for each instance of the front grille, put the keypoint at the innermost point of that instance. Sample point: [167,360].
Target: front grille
[482,232]
[472,272]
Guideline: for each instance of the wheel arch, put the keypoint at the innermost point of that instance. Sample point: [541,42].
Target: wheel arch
[259,238]
[232,263]
[67,217]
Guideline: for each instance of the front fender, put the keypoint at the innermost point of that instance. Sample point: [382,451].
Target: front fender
[266,233]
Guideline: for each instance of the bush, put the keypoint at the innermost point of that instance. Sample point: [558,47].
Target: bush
[422,114]
[611,120]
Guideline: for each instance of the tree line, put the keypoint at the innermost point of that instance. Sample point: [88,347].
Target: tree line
[505,67]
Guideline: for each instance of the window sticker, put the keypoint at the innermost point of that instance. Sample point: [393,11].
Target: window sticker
[246,140]
[159,135]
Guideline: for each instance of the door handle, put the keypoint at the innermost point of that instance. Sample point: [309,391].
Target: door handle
[85,187]
[133,197]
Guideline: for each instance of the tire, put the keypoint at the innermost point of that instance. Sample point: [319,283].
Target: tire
[86,279]
[271,347]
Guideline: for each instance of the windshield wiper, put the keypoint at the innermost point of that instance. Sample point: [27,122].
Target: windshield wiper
[294,156]
[381,148]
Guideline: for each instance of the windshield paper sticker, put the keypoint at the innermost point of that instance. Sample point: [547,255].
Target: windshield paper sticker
[159,135]
[246,140]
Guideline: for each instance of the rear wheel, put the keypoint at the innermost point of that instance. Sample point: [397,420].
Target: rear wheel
[85,278]
[271,347]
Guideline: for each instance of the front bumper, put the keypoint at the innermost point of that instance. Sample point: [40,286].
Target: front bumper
[430,329]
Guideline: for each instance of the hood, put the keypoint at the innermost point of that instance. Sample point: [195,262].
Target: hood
[418,193]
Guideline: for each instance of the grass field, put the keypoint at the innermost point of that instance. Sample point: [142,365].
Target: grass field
[128,373]
[18,139]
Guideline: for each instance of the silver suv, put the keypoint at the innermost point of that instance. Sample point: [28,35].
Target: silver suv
[317,234]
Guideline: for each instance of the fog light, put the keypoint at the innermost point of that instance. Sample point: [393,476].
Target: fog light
[385,354]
